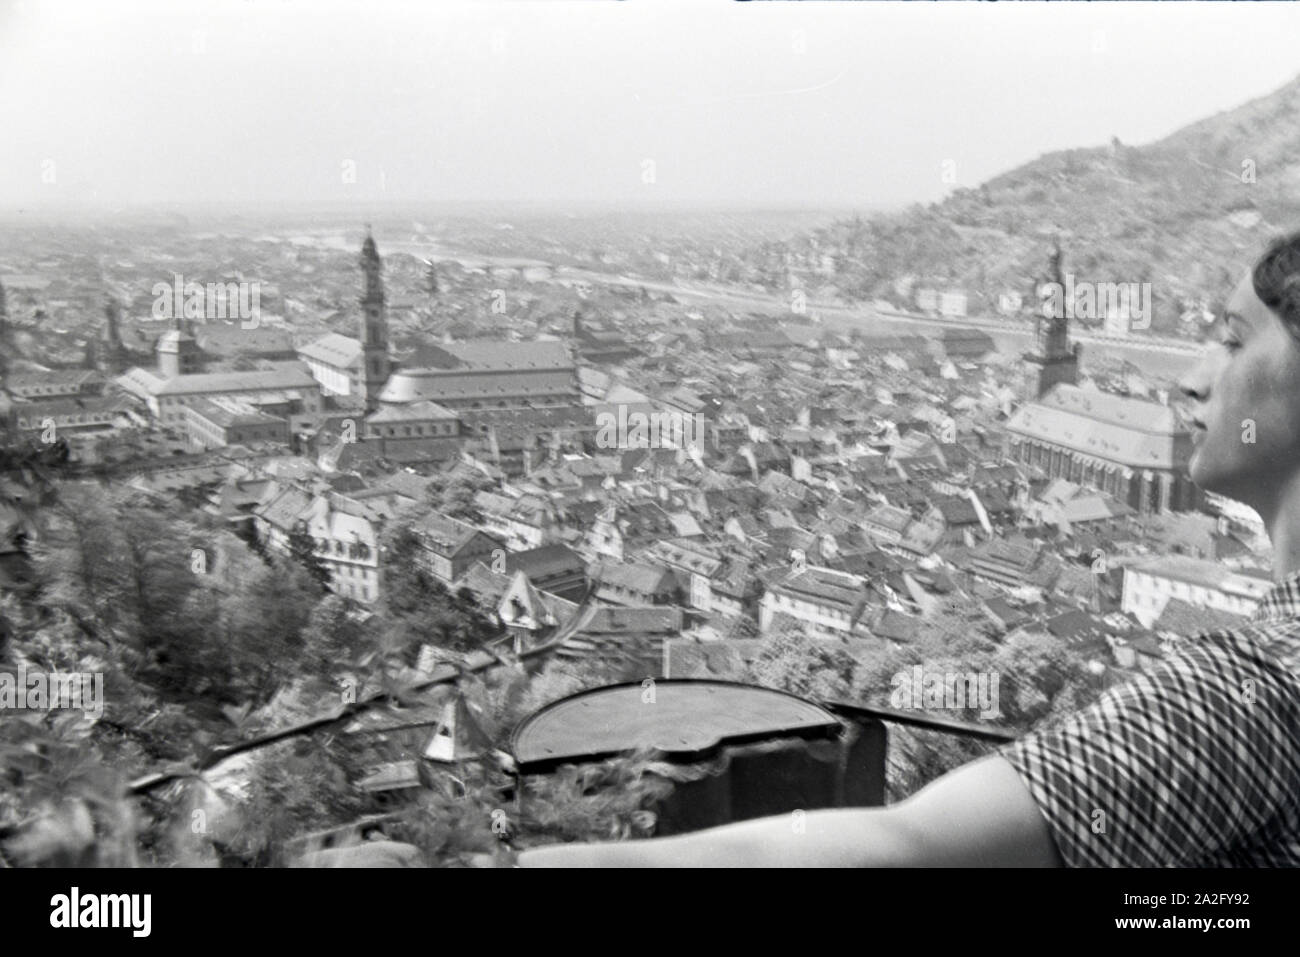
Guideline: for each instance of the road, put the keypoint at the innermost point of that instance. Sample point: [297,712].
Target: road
[858,316]
[1173,355]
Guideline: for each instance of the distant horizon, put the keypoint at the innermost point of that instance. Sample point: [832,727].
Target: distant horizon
[221,106]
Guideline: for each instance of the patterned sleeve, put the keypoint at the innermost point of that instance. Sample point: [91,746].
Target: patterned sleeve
[1190,762]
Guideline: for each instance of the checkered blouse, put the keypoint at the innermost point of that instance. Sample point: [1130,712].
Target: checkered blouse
[1193,764]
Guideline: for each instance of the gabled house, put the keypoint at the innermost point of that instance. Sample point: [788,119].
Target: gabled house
[449,547]
[636,584]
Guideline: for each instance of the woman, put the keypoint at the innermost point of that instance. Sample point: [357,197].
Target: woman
[1196,763]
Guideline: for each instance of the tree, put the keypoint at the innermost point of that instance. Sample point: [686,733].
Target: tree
[810,667]
[302,548]
[334,637]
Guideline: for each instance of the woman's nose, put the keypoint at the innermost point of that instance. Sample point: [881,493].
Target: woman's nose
[1195,384]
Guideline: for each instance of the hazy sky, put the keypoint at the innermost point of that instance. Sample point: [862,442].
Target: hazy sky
[739,103]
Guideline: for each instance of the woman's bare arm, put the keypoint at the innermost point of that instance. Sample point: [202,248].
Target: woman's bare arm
[980,815]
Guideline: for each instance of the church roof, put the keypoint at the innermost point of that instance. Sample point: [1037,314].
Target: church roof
[498,355]
[1128,431]
[440,385]
[421,411]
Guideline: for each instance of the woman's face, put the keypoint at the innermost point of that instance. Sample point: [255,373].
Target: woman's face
[1244,397]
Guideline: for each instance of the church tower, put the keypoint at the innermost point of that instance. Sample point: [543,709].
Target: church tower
[374,327]
[1056,360]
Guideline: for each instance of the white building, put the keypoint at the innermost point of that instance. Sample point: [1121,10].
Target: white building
[335,362]
[825,601]
[1151,583]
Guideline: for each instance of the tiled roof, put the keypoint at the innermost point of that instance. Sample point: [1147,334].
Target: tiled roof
[957,510]
[444,534]
[895,625]
[519,356]
[421,411]
[887,516]
[69,405]
[336,350]
[287,375]
[545,560]
[636,577]
[408,385]
[285,508]
[824,586]
[616,621]
[227,414]
[1210,574]
[20,381]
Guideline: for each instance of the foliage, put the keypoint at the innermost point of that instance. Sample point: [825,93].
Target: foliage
[809,667]
[612,800]
[302,548]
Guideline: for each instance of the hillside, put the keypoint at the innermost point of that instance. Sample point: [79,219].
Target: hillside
[1185,213]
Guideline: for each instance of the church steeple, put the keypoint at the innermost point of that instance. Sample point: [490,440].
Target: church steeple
[1056,360]
[374,326]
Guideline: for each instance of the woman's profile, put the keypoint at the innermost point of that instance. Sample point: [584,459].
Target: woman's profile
[1195,763]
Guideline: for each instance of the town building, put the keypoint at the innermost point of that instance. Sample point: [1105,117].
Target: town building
[555,568]
[449,546]
[420,432]
[485,374]
[221,420]
[1151,583]
[490,374]
[167,398]
[825,602]
[54,384]
[71,415]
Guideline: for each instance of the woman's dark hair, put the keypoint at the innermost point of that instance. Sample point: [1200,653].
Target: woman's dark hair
[1276,279]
